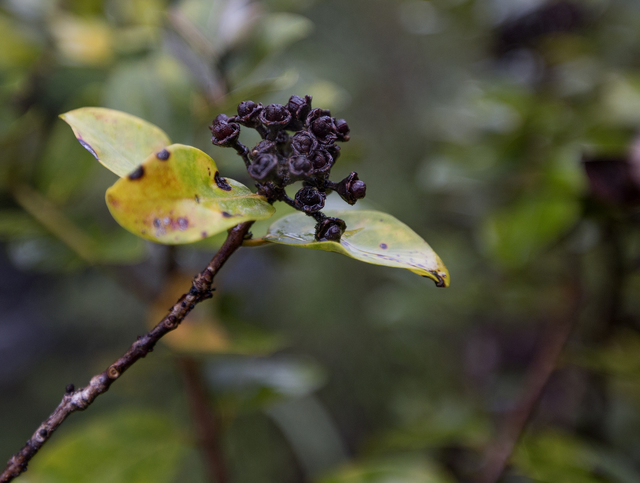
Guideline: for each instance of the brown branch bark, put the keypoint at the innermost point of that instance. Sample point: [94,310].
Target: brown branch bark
[498,453]
[207,426]
[80,399]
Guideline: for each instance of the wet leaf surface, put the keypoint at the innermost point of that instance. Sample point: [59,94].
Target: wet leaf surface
[371,236]
[118,140]
[173,198]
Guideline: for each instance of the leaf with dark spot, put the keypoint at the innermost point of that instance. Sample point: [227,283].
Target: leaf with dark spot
[402,247]
[221,182]
[118,140]
[175,202]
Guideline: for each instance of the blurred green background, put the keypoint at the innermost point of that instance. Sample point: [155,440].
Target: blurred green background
[502,131]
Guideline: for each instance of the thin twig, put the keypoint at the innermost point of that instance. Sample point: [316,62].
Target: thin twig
[207,427]
[80,399]
[499,452]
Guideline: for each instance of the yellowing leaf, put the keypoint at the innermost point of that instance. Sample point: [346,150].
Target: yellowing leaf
[371,236]
[176,196]
[118,140]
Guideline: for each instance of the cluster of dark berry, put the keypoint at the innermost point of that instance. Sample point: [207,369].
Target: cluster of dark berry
[298,144]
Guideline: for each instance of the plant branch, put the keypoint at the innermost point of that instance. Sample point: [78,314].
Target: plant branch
[80,399]
[499,451]
[207,427]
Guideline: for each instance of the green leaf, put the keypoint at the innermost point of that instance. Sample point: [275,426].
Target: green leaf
[371,236]
[514,235]
[399,469]
[127,447]
[556,457]
[117,139]
[173,198]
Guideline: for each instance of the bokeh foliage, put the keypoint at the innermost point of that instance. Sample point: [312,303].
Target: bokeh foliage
[322,368]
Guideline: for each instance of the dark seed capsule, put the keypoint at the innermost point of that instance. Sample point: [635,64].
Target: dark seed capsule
[299,109]
[264,167]
[275,116]
[322,161]
[324,130]
[248,113]
[351,189]
[330,229]
[224,133]
[310,199]
[342,129]
[303,143]
[300,167]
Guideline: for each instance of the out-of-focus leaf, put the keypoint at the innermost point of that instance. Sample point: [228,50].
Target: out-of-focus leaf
[63,168]
[176,197]
[285,377]
[515,234]
[620,356]
[118,247]
[18,224]
[94,247]
[279,30]
[157,88]
[554,457]
[118,140]
[43,254]
[449,423]
[17,48]
[127,447]
[82,41]
[397,470]
[201,332]
[371,236]
[49,216]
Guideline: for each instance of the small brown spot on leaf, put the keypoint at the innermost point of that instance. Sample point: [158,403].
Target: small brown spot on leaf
[183,224]
[383,246]
[112,201]
[137,173]
[204,234]
[197,199]
[221,182]
[227,215]
[157,223]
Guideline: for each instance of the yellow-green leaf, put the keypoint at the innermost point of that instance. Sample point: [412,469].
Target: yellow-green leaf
[176,196]
[371,236]
[117,139]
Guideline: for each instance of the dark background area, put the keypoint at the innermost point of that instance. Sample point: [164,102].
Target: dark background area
[502,131]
